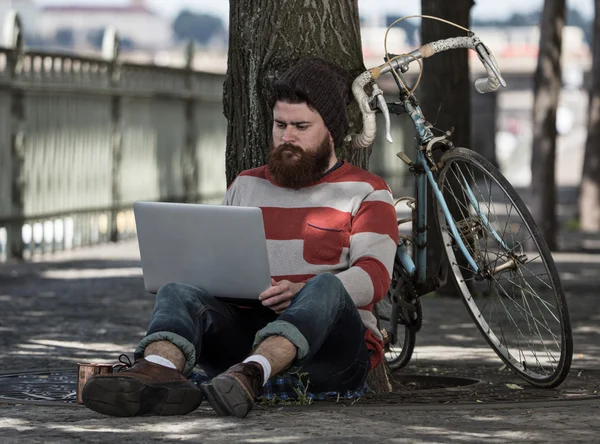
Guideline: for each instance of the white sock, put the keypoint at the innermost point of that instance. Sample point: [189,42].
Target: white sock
[264,363]
[160,361]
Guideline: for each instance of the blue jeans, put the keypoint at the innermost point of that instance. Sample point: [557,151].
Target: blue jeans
[321,321]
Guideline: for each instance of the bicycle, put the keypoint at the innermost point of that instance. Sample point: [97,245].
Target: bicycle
[494,252]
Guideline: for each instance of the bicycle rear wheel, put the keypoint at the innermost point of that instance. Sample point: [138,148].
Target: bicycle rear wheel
[517,300]
[400,345]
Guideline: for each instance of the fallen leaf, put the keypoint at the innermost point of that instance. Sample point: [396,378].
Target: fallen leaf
[480,401]
[514,387]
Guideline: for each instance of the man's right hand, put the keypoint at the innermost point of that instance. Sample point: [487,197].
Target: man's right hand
[280,295]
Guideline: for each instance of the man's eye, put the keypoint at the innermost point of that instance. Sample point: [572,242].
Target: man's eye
[301,127]
[280,125]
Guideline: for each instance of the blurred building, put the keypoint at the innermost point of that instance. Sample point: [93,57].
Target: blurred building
[28,12]
[523,41]
[373,38]
[81,24]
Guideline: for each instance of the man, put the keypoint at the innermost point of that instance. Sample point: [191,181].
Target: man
[331,237]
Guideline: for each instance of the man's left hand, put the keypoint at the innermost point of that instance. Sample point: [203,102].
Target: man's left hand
[280,295]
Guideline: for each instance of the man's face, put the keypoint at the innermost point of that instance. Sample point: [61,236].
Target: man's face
[302,147]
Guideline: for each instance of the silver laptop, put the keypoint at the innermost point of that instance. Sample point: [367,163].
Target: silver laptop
[221,249]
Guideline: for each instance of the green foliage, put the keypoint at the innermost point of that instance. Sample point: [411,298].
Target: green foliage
[573,225]
[301,395]
[198,27]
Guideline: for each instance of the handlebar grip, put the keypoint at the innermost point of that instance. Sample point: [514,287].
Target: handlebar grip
[487,85]
[366,138]
[432,48]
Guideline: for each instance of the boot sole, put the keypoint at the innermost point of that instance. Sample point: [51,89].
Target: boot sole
[130,397]
[227,397]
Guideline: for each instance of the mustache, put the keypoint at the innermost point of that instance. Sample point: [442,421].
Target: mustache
[277,151]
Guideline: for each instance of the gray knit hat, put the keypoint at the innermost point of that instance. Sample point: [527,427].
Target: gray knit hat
[324,86]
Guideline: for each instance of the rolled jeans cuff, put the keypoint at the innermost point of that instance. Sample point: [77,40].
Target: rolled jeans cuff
[186,347]
[288,331]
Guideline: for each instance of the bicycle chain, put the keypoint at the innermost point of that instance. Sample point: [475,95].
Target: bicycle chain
[414,321]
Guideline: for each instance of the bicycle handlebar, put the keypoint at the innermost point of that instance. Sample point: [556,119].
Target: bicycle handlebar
[491,83]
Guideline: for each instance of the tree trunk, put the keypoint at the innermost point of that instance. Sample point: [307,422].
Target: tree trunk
[444,94]
[446,88]
[547,91]
[589,201]
[265,38]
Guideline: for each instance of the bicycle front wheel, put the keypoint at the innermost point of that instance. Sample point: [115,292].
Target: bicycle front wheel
[516,300]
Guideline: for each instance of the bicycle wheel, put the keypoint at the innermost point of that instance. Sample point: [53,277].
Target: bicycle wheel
[517,300]
[399,347]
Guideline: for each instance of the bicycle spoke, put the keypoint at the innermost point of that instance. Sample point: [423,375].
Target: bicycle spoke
[515,299]
[520,332]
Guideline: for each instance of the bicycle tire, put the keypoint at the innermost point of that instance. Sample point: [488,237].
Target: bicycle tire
[405,338]
[546,361]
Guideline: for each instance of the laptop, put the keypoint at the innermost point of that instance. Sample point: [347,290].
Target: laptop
[220,249]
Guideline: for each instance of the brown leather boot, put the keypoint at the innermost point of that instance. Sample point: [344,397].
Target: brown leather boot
[233,392]
[144,388]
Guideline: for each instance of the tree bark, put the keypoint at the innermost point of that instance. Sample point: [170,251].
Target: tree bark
[547,90]
[266,37]
[445,93]
[445,89]
[589,201]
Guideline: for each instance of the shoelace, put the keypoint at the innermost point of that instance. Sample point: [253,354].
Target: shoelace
[124,363]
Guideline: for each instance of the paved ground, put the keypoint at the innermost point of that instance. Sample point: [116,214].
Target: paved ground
[91,306]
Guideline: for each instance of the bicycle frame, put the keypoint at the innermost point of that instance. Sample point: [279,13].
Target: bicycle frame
[418,271]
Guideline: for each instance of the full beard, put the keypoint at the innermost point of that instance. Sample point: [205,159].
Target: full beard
[292,167]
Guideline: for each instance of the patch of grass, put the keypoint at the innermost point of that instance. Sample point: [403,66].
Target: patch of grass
[301,395]
[573,225]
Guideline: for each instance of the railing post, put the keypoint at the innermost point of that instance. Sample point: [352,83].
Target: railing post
[190,159]
[13,39]
[110,53]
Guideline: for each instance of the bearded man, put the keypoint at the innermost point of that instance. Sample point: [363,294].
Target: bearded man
[331,238]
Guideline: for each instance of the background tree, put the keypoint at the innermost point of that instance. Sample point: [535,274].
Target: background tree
[197,27]
[589,201]
[547,90]
[445,91]
[265,38]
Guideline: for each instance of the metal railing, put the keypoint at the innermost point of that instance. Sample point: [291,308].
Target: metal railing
[82,138]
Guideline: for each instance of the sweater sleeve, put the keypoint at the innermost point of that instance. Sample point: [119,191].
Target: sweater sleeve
[373,244]
[229,197]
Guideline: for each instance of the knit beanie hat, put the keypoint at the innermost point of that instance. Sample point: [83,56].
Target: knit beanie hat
[325,87]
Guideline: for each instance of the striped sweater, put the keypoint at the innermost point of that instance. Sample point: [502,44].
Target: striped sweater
[345,224]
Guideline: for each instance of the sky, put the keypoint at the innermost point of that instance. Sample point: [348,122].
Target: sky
[482,9]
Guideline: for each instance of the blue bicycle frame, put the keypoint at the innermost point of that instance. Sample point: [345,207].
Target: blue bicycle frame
[418,271]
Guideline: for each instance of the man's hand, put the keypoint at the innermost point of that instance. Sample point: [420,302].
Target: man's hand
[280,295]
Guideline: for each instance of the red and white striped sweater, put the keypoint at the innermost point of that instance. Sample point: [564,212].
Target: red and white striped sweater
[344,224]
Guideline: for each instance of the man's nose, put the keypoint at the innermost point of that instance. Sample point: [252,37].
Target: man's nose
[288,134]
